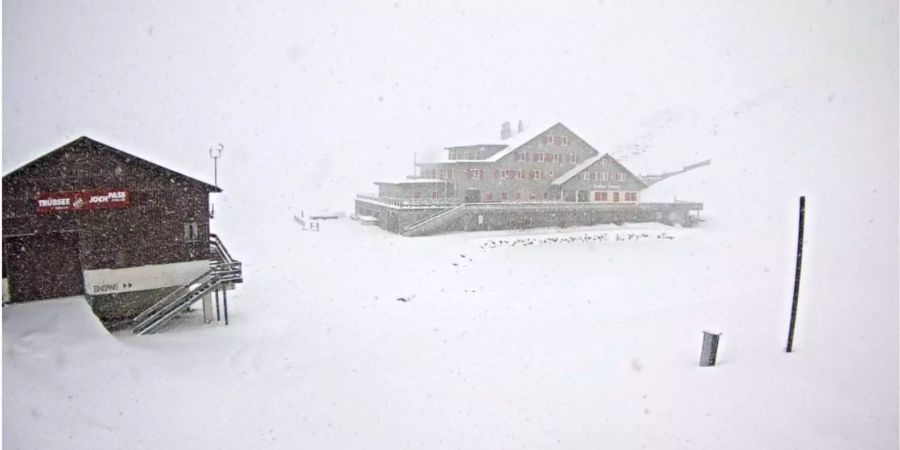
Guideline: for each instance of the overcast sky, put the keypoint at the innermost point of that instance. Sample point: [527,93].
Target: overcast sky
[345,92]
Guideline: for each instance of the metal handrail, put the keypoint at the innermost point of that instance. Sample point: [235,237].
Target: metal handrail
[225,270]
[410,202]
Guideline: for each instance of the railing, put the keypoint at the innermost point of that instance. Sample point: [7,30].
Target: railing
[223,271]
[437,218]
[409,202]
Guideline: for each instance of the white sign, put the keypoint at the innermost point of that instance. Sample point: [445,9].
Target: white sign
[141,278]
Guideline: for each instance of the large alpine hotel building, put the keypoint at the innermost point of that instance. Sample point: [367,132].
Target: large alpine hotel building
[552,178]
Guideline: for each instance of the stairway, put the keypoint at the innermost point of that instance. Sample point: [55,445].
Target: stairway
[429,224]
[223,271]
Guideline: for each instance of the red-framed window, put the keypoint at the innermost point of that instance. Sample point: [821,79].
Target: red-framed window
[600,196]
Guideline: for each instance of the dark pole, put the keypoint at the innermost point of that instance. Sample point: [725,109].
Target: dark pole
[225,301]
[218,316]
[790,341]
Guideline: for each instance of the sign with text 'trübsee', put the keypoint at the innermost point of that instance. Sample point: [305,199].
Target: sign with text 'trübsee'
[79,201]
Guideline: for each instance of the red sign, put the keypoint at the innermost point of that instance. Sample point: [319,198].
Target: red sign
[78,201]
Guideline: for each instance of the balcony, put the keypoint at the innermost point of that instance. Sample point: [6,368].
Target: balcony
[409,202]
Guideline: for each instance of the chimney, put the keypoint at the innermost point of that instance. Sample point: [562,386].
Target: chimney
[521,126]
[505,130]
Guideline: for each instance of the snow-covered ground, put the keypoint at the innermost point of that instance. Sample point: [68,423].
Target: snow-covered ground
[529,339]
[563,340]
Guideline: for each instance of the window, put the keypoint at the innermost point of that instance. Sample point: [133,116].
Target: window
[604,176]
[548,140]
[496,173]
[520,174]
[518,196]
[533,196]
[548,157]
[503,196]
[557,158]
[489,196]
[557,140]
[537,157]
[622,177]
[521,156]
[601,196]
[584,176]
[476,173]
[615,196]
[191,232]
[631,196]
[536,175]
[604,162]
[565,140]
[573,158]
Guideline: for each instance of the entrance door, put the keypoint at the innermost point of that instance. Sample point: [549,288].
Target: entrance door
[615,196]
[43,266]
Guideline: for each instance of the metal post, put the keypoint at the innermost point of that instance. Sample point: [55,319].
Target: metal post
[225,302]
[218,317]
[710,349]
[790,341]
[215,154]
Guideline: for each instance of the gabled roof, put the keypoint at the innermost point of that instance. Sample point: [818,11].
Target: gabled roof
[85,141]
[511,144]
[588,163]
[518,141]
